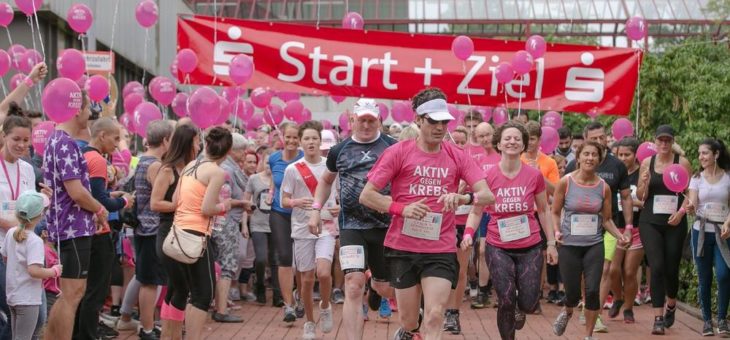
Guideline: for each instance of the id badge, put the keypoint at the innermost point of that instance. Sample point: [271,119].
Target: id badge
[583,224]
[715,212]
[7,209]
[513,228]
[665,204]
[463,210]
[428,228]
[352,257]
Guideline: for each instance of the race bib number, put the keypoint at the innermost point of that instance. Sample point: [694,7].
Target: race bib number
[262,201]
[584,224]
[513,228]
[428,228]
[7,210]
[715,212]
[463,210]
[352,257]
[665,204]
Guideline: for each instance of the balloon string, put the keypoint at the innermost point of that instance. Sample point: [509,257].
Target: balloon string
[5,90]
[638,90]
[235,113]
[539,110]
[29,19]
[318,14]
[186,81]
[83,50]
[519,97]
[215,34]
[114,27]
[468,96]
[38,26]
[504,89]
[10,38]
[144,57]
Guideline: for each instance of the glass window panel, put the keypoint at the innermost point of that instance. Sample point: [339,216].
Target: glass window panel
[542,9]
[586,9]
[511,11]
[494,10]
[479,10]
[649,10]
[664,9]
[695,9]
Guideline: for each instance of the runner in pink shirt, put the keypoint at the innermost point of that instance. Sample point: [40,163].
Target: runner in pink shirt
[424,176]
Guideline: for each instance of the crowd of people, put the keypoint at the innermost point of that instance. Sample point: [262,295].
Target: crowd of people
[98,237]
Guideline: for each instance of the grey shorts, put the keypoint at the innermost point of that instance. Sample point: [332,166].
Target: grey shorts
[308,251]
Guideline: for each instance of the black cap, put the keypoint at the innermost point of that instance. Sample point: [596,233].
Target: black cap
[664,131]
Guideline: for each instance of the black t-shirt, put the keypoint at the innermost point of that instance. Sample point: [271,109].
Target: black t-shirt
[614,172]
[352,161]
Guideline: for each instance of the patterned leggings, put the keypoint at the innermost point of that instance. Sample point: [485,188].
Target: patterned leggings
[513,271]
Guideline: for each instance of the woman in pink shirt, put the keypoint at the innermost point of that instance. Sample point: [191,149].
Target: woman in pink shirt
[514,252]
[424,176]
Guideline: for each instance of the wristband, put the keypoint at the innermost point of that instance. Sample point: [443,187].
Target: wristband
[682,210]
[56,271]
[396,209]
[468,231]
[629,226]
[28,82]
[221,208]
[316,206]
[471,198]
[101,211]
[126,202]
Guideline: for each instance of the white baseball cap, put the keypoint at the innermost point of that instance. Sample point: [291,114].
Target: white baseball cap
[328,140]
[436,109]
[366,106]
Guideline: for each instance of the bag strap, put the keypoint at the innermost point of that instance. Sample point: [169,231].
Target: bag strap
[205,244]
[309,179]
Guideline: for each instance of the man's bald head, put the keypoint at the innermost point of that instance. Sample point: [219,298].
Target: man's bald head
[104,124]
[185,121]
[483,135]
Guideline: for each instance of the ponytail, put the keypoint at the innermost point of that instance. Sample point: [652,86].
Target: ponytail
[20,233]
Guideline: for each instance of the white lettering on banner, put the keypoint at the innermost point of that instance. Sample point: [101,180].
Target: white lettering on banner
[539,69]
[464,85]
[301,70]
[585,84]
[316,56]
[514,88]
[427,71]
[223,53]
[347,69]
[387,63]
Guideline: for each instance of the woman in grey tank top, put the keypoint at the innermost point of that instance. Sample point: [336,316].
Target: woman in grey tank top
[583,199]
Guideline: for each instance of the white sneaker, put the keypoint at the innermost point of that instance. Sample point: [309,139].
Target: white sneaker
[325,318]
[310,331]
[130,325]
[108,320]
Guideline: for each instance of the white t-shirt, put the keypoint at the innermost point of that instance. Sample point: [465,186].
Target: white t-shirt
[294,184]
[26,183]
[20,288]
[709,193]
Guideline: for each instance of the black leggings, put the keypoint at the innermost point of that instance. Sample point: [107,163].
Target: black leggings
[263,245]
[196,280]
[513,271]
[281,233]
[582,262]
[663,247]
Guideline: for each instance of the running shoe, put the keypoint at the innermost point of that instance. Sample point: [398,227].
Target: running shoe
[384,310]
[520,319]
[707,329]
[599,327]
[298,305]
[338,297]
[373,299]
[226,318]
[609,302]
[310,331]
[448,321]
[722,328]
[289,314]
[147,336]
[325,318]
[365,312]
[637,299]
[393,305]
[561,298]
[106,332]
[561,322]
[401,334]
[615,308]
[457,324]
[629,316]
[552,296]
[658,328]
[479,301]
[669,316]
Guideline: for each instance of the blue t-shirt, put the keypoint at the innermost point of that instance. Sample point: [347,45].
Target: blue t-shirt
[278,166]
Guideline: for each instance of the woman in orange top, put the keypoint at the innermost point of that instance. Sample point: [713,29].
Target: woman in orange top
[197,204]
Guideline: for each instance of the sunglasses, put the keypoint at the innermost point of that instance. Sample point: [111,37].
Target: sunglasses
[435,122]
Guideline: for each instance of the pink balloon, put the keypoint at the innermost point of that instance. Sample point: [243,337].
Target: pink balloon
[97,87]
[62,99]
[173,69]
[127,121]
[304,116]
[486,112]
[593,113]
[621,128]
[636,28]
[30,58]
[242,108]
[41,132]
[402,111]
[500,115]
[146,13]
[79,17]
[287,96]
[676,178]
[293,110]
[344,120]
[549,140]
[71,64]
[338,99]
[646,150]
[6,14]
[552,119]
[16,80]
[353,21]
[81,82]
[273,114]
[16,52]
[131,101]
[29,7]
[326,124]
[462,47]
[241,69]
[225,111]
[4,63]
[522,62]
[451,126]
[145,113]
[132,87]
[232,92]
[180,104]
[163,90]
[204,107]
[383,111]
[261,97]
[535,45]
[255,122]
[504,72]
[187,60]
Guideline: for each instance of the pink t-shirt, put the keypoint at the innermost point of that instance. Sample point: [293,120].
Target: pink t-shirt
[514,197]
[480,156]
[51,284]
[414,175]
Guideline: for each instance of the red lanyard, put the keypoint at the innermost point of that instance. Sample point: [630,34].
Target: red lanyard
[13,195]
